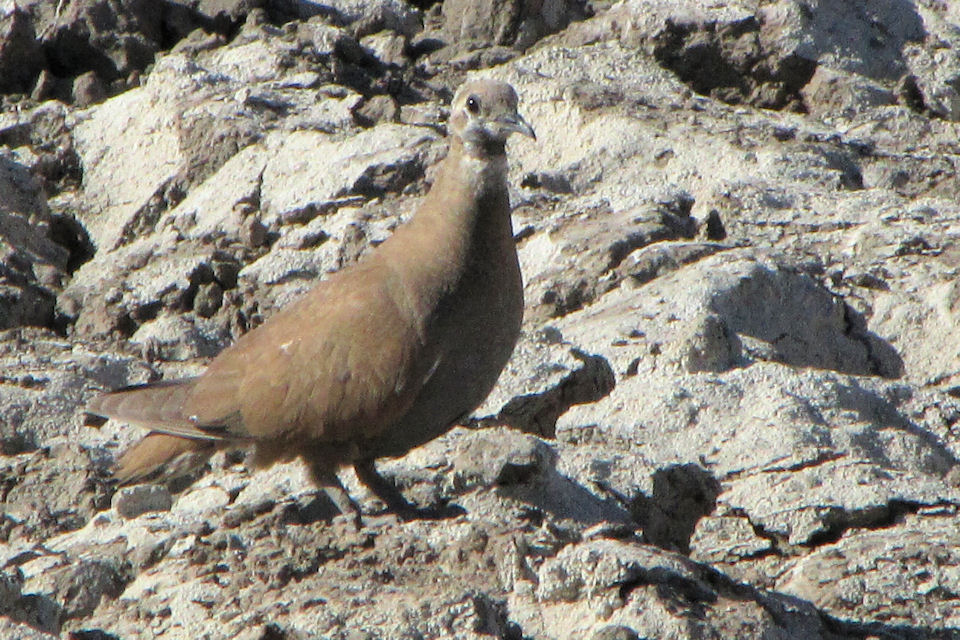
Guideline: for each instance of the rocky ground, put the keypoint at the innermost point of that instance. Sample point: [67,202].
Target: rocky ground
[735,408]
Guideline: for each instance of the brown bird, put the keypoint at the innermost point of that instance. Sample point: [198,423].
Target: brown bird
[383,356]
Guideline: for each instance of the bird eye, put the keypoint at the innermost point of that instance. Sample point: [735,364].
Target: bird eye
[473,104]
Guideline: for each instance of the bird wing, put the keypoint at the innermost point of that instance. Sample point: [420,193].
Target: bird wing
[155,405]
[343,362]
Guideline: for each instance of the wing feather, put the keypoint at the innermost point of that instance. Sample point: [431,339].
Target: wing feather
[329,367]
[157,406]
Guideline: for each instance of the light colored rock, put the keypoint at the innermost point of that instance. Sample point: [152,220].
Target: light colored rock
[47,378]
[909,575]
[936,74]
[501,457]
[203,500]
[176,338]
[370,17]
[129,149]
[832,93]
[590,586]
[13,629]
[365,164]
[131,502]
[781,403]
[387,47]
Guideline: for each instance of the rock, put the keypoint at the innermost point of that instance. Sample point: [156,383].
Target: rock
[365,18]
[88,89]
[46,86]
[110,40]
[20,56]
[733,409]
[32,264]
[711,346]
[131,502]
[608,581]
[386,47]
[870,566]
[752,298]
[173,337]
[26,631]
[831,93]
[501,457]
[372,164]
[208,299]
[81,587]
[596,246]
[514,22]
[546,386]
[375,110]
[30,510]
[48,378]
[615,632]
[682,495]
[26,616]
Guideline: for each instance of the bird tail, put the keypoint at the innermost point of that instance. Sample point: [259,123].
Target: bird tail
[168,451]
[160,456]
[152,405]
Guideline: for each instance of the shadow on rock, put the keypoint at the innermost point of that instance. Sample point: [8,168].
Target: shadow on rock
[682,494]
[524,468]
[800,323]
[882,412]
[538,412]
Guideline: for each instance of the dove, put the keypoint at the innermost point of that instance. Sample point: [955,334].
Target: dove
[377,359]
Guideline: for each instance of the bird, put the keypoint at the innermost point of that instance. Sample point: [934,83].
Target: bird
[380,357]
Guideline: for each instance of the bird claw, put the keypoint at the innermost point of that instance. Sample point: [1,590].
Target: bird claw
[353,522]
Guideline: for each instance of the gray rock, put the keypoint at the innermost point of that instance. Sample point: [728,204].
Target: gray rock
[511,22]
[711,346]
[388,48]
[20,56]
[13,629]
[732,411]
[615,632]
[640,587]
[907,576]
[131,502]
[32,265]
[88,89]
[26,616]
[501,457]
[81,586]
[832,93]
[366,18]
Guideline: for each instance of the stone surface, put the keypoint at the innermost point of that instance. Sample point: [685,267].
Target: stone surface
[131,502]
[733,411]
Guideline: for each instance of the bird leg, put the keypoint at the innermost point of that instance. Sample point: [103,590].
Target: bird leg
[385,490]
[327,479]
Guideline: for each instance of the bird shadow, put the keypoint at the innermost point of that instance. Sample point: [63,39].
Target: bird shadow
[320,508]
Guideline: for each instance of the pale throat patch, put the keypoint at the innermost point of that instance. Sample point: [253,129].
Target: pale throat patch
[488,167]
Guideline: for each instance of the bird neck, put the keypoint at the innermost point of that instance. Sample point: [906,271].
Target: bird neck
[465,216]
[482,148]
[468,205]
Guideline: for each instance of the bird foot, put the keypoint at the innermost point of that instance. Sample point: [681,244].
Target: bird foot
[438,512]
[353,522]
[387,491]
[410,513]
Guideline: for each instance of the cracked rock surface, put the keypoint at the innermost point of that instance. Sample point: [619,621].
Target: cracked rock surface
[734,411]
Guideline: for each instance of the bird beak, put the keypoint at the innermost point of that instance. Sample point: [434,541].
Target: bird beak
[516,124]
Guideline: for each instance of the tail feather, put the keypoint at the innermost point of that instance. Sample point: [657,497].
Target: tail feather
[163,456]
[176,443]
[157,406]
[144,403]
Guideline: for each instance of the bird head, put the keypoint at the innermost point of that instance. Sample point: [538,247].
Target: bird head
[483,114]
